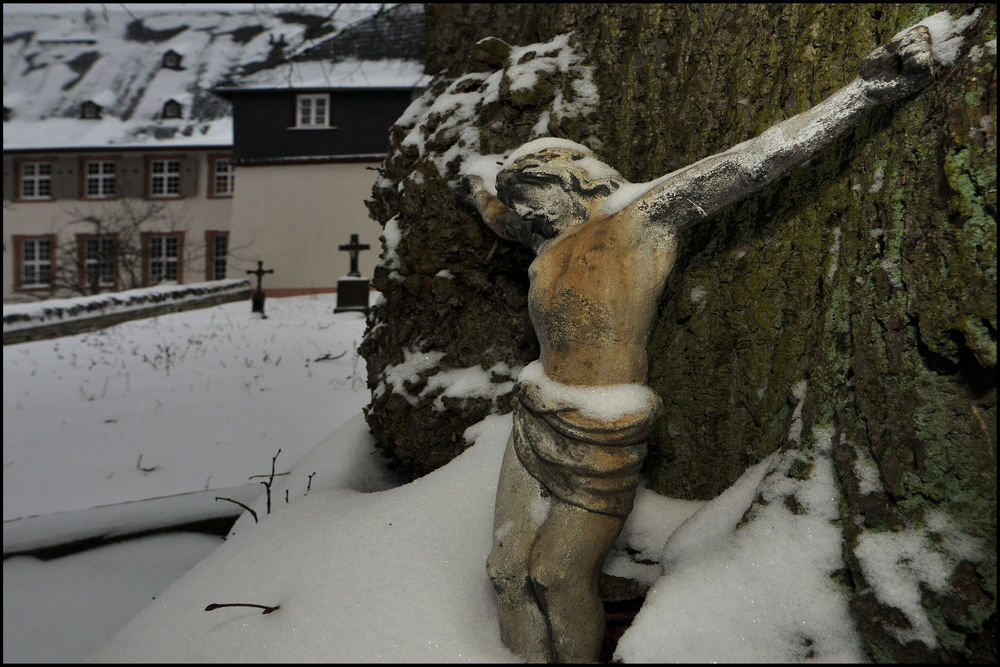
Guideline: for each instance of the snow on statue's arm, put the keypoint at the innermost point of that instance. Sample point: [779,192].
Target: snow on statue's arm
[890,72]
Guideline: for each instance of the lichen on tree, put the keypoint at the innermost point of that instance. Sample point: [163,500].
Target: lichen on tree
[869,273]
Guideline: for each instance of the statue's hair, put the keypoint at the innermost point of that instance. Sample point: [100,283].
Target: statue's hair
[575,168]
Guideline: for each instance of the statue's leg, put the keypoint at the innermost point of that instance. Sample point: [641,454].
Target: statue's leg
[566,564]
[523,627]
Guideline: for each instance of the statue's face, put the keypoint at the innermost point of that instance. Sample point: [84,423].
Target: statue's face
[550,190]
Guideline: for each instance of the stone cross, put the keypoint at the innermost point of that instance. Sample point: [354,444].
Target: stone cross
[258,296]
[354,248]
[259,272]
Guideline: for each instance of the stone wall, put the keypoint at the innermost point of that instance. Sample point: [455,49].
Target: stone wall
[74,316]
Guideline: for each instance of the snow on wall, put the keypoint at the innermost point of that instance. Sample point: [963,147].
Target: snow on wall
[54,311]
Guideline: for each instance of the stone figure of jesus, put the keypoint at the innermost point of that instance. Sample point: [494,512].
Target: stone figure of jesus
[603,255]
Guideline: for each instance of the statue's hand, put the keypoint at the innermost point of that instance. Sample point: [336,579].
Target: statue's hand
[900,67]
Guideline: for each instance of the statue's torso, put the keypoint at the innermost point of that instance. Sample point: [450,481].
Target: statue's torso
[594,292]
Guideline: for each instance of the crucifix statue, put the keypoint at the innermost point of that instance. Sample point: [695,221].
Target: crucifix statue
[257,299]
[572,464]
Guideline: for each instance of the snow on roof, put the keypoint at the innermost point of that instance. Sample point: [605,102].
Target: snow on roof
[385,50]
[351,73]
[54,63]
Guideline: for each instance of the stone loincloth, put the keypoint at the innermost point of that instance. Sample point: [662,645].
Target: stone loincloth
[590,463]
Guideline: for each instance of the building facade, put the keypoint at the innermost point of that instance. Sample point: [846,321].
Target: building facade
[309,135]
[125,166]
[85,221]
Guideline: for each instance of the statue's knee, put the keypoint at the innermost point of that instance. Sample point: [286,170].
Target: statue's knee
[505,572]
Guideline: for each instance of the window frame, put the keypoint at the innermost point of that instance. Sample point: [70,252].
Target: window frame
[151,161]
[20,164]
[211,258]
[18,240]
[148,261]
[101,177]
[82,277]
[301,98]
[213,175]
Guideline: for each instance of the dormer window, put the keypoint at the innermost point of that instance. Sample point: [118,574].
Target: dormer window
[90,110]
[172,60]
[172,109]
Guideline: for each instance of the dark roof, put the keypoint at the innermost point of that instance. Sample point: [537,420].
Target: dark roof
[397,32]
[53,63]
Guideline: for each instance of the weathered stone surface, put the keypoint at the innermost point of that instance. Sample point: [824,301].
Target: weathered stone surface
[869,273]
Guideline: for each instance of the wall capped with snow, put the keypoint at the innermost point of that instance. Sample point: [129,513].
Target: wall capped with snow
[61,317]
[857,293]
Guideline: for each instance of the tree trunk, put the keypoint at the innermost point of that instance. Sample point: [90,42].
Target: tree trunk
[858,292]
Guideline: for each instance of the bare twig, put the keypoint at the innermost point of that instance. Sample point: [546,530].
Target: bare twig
[267,610]
[496,244]
[252,513]
[138,466]
[270,481]
[329,357]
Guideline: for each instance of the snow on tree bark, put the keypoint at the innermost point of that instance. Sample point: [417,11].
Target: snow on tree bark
[870,272]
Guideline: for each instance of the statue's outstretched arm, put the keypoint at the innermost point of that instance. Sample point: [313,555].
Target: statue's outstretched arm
[497,215]
[888,73]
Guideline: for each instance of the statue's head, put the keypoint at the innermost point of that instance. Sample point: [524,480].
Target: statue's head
[555,184]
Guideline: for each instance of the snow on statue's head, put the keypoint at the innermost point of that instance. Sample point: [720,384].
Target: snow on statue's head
[555,184]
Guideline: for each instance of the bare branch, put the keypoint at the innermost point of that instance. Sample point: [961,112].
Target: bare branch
[267,610]
[252,513]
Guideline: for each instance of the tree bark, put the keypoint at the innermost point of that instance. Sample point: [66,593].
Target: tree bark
[869,273]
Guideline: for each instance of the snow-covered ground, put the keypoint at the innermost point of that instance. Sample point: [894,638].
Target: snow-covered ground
[206,398]
[359,566]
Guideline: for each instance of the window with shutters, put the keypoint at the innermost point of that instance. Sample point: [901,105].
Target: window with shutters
[164,178]
[221,176]
[99,179]
[34,181]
